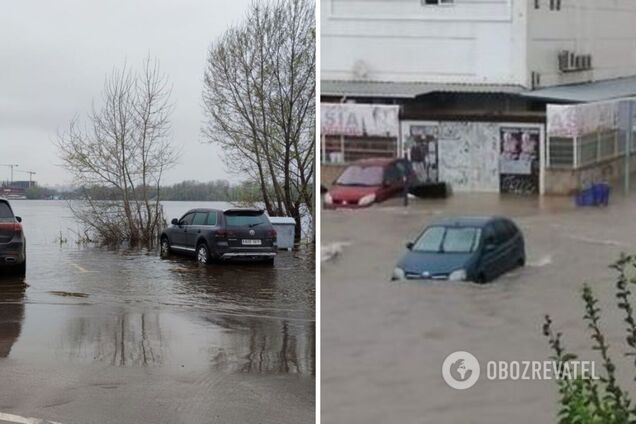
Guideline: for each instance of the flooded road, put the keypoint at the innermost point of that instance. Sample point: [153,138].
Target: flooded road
[97,336]
[383,343]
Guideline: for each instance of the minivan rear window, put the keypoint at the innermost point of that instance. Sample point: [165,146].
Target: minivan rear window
[247,219]
[5,212]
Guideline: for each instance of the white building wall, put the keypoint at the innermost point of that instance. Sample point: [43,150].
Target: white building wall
[606,29]
[471,41]
[475,41]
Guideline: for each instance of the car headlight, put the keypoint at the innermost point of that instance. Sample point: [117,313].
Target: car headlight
[366,200]
[398,274]
[328,199]
[458,275]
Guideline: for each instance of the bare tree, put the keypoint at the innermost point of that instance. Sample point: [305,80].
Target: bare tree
[124,147]
[259,96]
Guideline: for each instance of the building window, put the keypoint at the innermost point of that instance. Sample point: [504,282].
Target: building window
[561,152]
[437,2]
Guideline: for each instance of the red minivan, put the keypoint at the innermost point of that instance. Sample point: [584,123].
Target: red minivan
[369,181]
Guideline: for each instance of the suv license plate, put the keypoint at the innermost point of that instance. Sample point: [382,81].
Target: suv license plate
[252,242]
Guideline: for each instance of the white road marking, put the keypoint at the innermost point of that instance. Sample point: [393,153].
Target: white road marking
[79,267]
[23,420]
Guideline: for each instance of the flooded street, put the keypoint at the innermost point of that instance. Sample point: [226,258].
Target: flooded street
[383,343]
[97,336]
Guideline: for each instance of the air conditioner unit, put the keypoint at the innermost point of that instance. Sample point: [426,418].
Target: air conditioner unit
[564,60]
[579,62]
[536,80]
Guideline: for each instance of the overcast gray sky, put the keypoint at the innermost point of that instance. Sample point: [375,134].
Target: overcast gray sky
[54,56]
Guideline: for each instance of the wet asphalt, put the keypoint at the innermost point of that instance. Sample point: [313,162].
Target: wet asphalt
[92,335]
[383,343]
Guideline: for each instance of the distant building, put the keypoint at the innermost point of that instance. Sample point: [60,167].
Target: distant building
[467,84]
[22,185]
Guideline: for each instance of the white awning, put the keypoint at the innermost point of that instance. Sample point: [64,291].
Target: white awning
[405,90]
[587,92]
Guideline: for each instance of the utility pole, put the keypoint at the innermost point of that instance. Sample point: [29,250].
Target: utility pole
[10,166]
[628,144]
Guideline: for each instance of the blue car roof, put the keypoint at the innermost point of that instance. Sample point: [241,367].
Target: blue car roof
[464,221]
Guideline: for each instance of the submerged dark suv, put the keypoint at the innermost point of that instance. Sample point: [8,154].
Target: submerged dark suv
[222,234]
[12,241]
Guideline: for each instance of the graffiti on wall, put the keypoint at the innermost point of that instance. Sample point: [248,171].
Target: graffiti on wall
[578,120]
[519,160]
[468,155]
[359,120]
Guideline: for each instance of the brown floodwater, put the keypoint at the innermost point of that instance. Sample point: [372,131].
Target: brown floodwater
[136,320]
[383,343]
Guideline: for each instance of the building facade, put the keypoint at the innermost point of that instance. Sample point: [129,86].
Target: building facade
[472,81]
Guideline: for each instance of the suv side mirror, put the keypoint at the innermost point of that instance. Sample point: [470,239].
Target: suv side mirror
[175,221]
[18,218]
[410,245]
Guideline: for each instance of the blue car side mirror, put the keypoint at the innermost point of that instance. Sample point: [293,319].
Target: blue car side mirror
[409,245]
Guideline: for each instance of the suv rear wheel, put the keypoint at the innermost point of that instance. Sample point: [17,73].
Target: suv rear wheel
[203,254]
[165,246]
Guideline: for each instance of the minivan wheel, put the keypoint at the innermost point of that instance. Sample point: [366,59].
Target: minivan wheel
[269,261]
[522,261]
[165,246]
[203,254]
[481,278]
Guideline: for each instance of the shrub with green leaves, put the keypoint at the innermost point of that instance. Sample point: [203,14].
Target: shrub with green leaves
[600,401]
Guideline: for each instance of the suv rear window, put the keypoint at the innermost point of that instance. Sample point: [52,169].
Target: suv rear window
[245,219]
[5,212]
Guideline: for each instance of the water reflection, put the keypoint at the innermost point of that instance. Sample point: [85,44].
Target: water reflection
[266,323]
[122,339]
[130,308]
[11,311]
[260,347]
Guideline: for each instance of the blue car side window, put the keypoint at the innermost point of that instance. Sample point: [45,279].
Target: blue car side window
[489,235]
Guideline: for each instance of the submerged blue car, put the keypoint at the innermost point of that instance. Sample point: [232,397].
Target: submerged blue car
[475,249]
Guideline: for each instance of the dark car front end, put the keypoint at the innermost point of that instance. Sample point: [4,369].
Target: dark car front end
[12,240]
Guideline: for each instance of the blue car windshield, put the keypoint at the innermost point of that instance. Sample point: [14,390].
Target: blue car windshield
[448,240]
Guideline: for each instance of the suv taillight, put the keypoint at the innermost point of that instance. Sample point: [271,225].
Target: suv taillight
[16,227]
[271,233]
[224,233]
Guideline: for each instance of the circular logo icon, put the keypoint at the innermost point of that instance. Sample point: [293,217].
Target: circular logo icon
[460,370]
[252,232]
